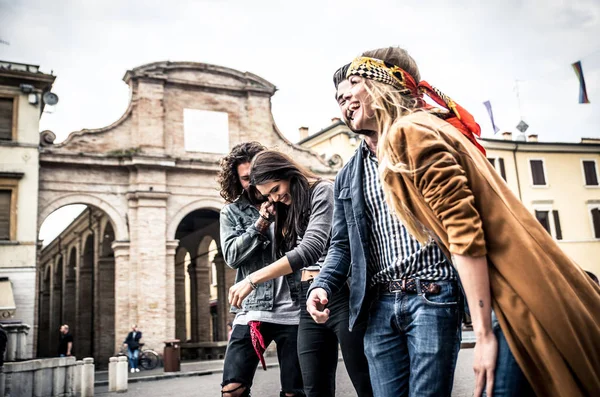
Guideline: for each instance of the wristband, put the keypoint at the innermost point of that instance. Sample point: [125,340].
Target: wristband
[265,218]
[249,280]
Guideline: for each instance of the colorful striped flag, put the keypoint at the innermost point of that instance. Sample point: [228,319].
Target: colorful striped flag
[583,97]
[488,106]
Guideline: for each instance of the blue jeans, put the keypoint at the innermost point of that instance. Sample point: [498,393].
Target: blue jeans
[133,357]
[509,380]
[412,342]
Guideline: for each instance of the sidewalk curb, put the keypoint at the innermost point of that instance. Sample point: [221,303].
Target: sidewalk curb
[172,375]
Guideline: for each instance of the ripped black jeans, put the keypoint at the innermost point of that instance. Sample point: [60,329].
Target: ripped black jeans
[241,360]
[318,348]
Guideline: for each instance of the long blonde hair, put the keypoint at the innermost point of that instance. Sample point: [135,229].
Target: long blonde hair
[389,105]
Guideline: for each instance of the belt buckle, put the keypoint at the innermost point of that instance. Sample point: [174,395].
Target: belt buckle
[395,286]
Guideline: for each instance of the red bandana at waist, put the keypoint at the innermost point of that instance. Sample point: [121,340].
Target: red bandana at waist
[384,72]
[257,341]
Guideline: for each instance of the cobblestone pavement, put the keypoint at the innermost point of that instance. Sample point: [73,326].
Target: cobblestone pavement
[266,384]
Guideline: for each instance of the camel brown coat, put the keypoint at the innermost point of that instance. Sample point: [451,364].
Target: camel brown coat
[548,308]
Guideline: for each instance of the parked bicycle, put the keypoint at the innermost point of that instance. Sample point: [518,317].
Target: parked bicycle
[148,359]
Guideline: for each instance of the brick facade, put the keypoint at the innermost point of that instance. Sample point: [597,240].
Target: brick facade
[160,202]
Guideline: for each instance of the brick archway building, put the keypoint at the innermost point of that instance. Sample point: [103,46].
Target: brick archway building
[152,202]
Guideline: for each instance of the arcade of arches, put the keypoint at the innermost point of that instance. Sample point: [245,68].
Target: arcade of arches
[77,282]
[146,250]
[76,287]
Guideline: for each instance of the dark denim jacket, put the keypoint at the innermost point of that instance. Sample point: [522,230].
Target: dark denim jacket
[247,250]
[349,247]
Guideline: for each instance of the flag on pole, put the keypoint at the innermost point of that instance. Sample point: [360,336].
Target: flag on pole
[488,106]
[583,97]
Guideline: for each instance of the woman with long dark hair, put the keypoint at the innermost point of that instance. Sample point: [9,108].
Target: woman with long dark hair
[300,206]
[245,243]
[437,179]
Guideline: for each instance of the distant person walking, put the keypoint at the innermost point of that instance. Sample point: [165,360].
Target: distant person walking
[133,347]
[65,344]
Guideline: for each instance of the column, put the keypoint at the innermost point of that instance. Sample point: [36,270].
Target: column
[171,248]
[148,236]
[222,297]
[202,304]
[122,292]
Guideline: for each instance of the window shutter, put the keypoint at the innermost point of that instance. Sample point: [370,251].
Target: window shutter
[596,221]
[6,118]
[557,225]
[5,214]
[542,217]
[537,170]
[502,170]
[589,169]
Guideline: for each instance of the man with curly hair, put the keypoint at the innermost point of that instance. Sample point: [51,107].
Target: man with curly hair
[246,236]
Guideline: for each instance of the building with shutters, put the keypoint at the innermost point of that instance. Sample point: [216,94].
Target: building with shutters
[558,182]
[21,105]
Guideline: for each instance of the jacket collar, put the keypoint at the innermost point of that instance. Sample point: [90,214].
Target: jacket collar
[242,201]
[357,190]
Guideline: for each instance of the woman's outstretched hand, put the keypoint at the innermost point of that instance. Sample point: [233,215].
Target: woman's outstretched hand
[315,305]
[238,292]
[484,363]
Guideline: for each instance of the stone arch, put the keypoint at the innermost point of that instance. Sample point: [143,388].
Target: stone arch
[203,203]
[107,237]
[118,221]
[104,223]
[196,228]
[203,252]
[71,263]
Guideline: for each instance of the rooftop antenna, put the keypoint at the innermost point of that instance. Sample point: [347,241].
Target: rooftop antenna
[522,126]
[518,98]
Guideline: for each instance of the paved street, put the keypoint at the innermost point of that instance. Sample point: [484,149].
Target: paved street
[266,384]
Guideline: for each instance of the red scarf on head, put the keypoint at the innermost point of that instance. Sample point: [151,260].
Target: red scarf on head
[384,72]
[462,119]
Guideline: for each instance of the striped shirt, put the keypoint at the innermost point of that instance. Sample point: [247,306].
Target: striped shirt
[393,253]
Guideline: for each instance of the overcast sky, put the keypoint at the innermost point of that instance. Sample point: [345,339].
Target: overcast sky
[472,50]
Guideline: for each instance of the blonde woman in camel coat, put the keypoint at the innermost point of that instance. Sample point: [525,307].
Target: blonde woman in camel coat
[441,186]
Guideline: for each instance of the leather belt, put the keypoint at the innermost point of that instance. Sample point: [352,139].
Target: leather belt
[309,275]
[409,286]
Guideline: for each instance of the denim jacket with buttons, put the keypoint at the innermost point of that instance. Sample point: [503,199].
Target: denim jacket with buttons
[349,247]
[248,250]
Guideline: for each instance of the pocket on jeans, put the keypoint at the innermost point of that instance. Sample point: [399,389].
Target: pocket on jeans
[446,298]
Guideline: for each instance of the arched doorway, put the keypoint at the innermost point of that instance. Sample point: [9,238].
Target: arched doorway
[201,283]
